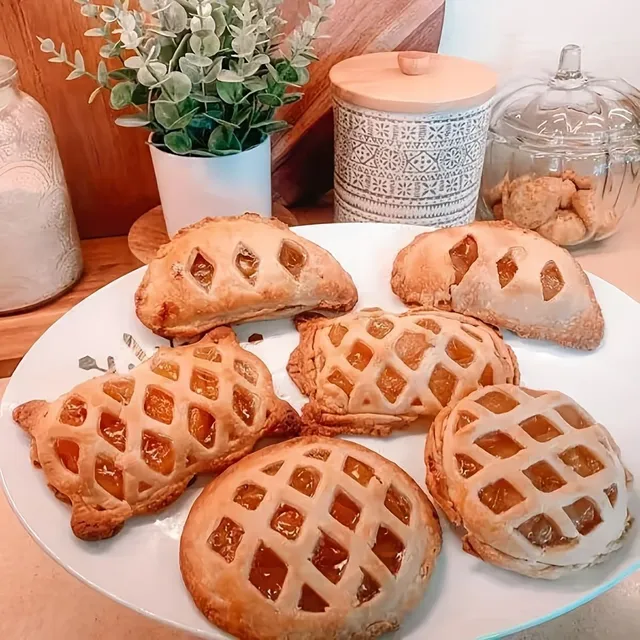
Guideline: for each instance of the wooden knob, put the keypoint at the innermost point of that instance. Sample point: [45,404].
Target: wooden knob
[414,63]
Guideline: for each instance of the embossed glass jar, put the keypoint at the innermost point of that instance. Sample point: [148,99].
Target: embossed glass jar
[410,135]
[40,254]
[563,154]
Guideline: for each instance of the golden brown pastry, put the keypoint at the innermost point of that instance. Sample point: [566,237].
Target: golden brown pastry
[312,539]
[506,276]
[228,270]
[118,446]
[536,483]
[371,372]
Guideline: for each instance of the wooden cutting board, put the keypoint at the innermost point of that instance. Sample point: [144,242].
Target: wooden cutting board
[303,155]
[109,170]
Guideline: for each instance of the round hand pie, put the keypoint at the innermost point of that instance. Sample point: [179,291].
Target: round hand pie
[537,484]
[314,538]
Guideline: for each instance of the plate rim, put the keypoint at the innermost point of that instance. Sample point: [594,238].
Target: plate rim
[5,412]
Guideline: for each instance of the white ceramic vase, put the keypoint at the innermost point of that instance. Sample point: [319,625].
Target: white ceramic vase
[194,188]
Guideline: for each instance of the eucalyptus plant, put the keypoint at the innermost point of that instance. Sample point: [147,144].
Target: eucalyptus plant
[205,76]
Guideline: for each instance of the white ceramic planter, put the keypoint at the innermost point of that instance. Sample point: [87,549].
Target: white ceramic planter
[195,188]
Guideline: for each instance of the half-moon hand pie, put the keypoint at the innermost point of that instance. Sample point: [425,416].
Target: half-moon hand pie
[311,539]
[535,481]
[506,276]
[371,372]
[229,270]
[117,446]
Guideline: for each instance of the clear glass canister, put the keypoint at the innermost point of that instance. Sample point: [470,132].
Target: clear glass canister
[40,253]
[563,155]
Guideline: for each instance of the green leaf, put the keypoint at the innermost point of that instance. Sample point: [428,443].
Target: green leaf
[94,94]
[111,50]
[270,100]
[134,62]
[300,61]
[201,121]
[290,98]
[193,72]
[273,72]
[76,73]
[200,97]
[175,18]
[197,60]
[47,45]
[178,142]
[286,72]
[210,45]
[177,86]
[137,120]
[168,115]
[152,73]
[123,74]
[79,61]
[103,73]
[223,142]
[140,95]
[202,154]
[96,32]
[229,92]
[303,76]
[271,126]
[212,74]
[255,84]
[226,75]
[121,95]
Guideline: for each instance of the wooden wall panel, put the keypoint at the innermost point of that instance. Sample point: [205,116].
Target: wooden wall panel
[109,169]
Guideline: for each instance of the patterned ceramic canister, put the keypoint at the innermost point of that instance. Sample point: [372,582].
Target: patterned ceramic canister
[410,136]
[40,253]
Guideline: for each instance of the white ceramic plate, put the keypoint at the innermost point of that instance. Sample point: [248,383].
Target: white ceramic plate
[467,599]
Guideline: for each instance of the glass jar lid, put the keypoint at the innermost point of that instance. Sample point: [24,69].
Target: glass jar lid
[569,108]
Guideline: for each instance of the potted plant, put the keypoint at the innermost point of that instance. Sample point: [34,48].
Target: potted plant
[206,77]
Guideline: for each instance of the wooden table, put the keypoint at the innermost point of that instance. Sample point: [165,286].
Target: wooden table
[40,601]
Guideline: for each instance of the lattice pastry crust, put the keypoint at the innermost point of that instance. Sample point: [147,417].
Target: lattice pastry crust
[311,539]
[229,270]
[506,276]
[117,446]
[537,484]
[372,372]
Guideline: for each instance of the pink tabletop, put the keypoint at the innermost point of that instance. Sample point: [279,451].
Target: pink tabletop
[40,601]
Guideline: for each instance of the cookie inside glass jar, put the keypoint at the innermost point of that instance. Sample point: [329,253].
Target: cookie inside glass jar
[562,155]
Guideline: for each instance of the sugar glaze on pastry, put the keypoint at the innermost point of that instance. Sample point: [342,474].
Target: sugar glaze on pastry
[311,539]
[506,276]
[371,371]
[117,445]
[229,270]
[538,485]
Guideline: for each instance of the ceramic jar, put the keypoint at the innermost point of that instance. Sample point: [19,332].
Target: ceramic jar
[563,154]
[410,135]
[40,253]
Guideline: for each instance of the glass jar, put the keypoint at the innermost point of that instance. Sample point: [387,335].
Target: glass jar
[563,155]
[40,253]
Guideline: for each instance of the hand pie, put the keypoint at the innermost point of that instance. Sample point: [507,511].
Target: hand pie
[228,270]
[310,539]
[506,276]
[372,372]
[537,484]
[118,446]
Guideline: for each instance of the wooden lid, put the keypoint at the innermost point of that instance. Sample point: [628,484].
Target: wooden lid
[412,82]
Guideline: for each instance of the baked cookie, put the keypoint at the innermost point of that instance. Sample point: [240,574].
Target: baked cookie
[506,276]
[122,445]
[228,270]
[537,484]
[311,539]
[371,372]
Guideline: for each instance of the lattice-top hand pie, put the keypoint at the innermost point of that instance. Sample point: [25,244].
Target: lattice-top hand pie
[226,270]
[312,539]
[372,371]
[507,276]
[537,484]
[118,446]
